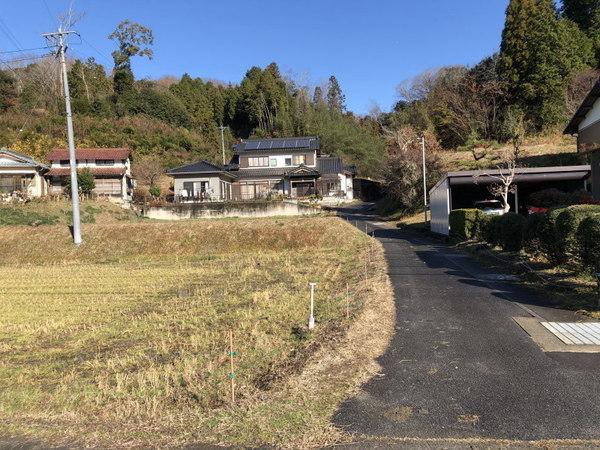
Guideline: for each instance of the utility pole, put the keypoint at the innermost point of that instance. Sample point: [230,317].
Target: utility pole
[424,179]
[222,128]
[58,39]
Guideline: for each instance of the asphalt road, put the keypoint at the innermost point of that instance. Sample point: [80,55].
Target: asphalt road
[459,366]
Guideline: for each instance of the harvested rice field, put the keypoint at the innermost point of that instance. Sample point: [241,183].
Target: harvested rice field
[125,341]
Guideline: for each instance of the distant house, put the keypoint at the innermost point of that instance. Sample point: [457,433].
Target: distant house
[20,175]
[201,181]
[111,168]
[585,123]
[291,167]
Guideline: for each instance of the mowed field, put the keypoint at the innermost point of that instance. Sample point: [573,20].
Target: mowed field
[124,341]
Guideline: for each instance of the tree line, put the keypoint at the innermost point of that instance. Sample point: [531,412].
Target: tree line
[177,118]
[547,61]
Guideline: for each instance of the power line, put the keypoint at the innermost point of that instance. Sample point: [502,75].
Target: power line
[23,50]
[9,34]
[102,55]
[48,10]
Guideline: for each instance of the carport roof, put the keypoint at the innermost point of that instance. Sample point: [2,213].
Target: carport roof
[523,174]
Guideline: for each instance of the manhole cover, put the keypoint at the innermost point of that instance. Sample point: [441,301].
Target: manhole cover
[575,333]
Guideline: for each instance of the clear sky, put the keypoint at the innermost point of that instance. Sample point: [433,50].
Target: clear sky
[370,45]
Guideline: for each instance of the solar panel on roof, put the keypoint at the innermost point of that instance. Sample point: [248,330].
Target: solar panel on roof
[251,145]
[303,143]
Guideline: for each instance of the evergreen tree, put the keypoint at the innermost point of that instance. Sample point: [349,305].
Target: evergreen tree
[134,40]
[538,55]
[318,99]
[335,98]
[583,12]
[8,92]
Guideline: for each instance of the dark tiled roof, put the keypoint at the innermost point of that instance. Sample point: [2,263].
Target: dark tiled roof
[20,160]
[267,145]
[197,167]
[276,172]
[303,170]
[90,153]
[96,171]
[584,108]
[333,165]
[259,173]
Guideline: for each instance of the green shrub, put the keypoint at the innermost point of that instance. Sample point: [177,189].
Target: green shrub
[533,232]
[489,229]
[464,223]
[512,230]
[154,191]
[547,237]
[566,225]
[85,182]
[588,242]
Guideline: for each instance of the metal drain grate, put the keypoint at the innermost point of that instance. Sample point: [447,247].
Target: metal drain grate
[575,333]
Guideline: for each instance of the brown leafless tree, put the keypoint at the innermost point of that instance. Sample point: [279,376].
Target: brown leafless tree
[507,168]
[147,170]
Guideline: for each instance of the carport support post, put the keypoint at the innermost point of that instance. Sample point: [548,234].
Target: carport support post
[517,198]
[424,178]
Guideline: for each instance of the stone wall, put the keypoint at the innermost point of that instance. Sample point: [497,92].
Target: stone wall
[214,210]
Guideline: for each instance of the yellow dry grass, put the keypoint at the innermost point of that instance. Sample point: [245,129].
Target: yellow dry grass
[123,341]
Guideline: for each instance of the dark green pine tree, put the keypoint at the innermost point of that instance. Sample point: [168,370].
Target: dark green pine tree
[335,98]
[583,12]
[538,55]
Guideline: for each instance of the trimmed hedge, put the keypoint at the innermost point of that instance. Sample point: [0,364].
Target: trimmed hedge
[588,242]
[547,230]
[532,242]
[566,225]
[490,229]
[512,230]
[464,223]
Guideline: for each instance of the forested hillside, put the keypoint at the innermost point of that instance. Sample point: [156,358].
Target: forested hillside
[547,61]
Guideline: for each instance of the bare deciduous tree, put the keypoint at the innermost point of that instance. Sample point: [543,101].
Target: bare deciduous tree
[148,170]
[507,169]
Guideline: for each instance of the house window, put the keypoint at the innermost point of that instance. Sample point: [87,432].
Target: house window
[299,159]
[258,161]
[64,162]
[273,162]
[288,161]
[105,162]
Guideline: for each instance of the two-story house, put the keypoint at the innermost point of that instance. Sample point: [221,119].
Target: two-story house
[291,167]
[111,168]
[585,123]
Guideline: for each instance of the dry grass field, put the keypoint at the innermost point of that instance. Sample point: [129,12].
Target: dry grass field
[124,341]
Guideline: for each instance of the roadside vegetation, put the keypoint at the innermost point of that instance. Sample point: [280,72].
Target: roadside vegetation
[557,249]
[49,212]
[124,341]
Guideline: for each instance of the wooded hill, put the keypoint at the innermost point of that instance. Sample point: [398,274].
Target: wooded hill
[548,60]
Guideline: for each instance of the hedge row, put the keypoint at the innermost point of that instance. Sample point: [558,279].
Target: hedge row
[570,234]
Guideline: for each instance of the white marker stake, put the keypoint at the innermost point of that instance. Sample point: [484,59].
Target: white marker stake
[311,318]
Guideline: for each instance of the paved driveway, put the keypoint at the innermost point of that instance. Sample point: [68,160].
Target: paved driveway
[460,367]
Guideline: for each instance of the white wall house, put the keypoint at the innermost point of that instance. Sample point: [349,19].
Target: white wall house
[259,168]
[111,168]
[585,123]
[201,181]
[20,175]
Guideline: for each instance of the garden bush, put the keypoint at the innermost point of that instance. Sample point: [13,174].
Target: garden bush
[567,223]
[533,232]
[464,223]
[489,229]
[548,238]
[512,230]
[588,242]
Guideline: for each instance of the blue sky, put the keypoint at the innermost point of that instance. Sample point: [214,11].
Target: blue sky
[371,46]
